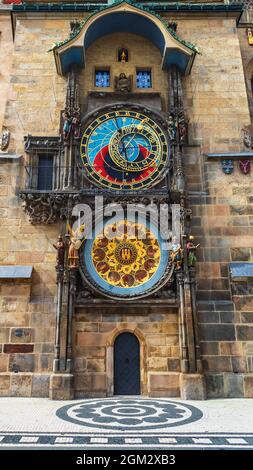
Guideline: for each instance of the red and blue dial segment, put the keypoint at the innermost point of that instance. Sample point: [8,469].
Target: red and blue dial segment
[124,149]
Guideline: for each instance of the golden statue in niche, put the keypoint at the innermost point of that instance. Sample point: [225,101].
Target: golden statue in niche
[123,55]
[250,36]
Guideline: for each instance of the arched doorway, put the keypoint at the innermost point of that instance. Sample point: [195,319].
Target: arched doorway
[126,365]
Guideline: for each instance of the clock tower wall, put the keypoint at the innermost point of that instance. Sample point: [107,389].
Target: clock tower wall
[95,332]
[142,55]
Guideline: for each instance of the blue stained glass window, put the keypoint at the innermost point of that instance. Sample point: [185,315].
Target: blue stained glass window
[102,78]
[143,79]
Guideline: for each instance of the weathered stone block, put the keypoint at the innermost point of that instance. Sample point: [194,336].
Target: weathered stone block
[162,351]
[4,384]
[46,362]
[227,317]
[40,385]
[166,383]
[18,348]
[82,382]
[233,386]
[95,365]
[98,382]
[82,326]
[61,388]
[217,363]
[214,385]
[248,386]
[4,335]
[156,340]
[91,351]
[240,254]
[231,349]
[208,317]
[21,335]
[80,364]
[172,340]
[244,332]
[209,348]
[157,363]
[238,364]
[192,387]
[91,339]
[22,363]
[3,363]
[173,364]
[247,317]
[216,332]
[21,385]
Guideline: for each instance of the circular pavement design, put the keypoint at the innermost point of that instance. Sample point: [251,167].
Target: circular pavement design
[129,414]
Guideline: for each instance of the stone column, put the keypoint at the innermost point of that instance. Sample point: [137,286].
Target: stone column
[192,274]
[71,137]
[56,363]
[71,306]
[182,326]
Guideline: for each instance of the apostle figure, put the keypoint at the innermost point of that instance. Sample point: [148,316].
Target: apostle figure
[76,240]
[60,247]
[123,83]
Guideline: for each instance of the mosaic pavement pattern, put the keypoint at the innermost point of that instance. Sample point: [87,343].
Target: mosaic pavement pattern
[132,441]
[129,414]
[125,423]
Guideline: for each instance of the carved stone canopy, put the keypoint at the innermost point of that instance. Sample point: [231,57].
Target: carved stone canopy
[128,18]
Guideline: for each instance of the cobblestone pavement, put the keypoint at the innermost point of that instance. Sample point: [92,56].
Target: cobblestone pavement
[123,422]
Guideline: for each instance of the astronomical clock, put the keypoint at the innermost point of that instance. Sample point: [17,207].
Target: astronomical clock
[127,151]
[124,149]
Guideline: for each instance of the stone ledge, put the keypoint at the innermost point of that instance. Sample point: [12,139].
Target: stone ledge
[241,271]
[6,157]
[16,272]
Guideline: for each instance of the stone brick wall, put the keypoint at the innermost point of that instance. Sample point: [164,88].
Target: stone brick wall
[247,59]
[157,330]
[26,341]
[6,50]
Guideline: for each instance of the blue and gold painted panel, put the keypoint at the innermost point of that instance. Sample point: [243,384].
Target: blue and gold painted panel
[124,149]
[128,264]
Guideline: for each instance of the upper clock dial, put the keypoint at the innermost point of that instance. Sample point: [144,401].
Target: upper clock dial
[124,149]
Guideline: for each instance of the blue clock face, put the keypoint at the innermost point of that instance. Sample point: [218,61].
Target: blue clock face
[124,149]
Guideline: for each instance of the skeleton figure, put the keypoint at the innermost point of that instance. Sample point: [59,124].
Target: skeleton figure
[176,254]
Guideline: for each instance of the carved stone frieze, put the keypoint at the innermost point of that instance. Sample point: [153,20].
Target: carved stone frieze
[43,208]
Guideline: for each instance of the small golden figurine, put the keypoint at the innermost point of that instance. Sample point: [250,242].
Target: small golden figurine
[123,55]
[250,36]
[76,240]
